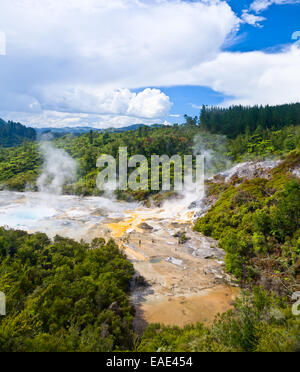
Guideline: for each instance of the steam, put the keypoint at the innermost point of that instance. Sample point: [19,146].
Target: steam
[214,149]
[59,168]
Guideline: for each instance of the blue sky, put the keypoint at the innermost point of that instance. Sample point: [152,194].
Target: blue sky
[273,34]
[112,63]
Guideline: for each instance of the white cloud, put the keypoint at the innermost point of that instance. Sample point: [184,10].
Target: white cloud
[261,5]
[252,19]
[250,78]
[149,103]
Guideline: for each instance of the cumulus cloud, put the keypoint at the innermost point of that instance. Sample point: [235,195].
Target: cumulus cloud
[149,103]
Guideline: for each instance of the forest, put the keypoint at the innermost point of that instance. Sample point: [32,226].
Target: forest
[64,296]
[13,134]
[236,120]
[20,166]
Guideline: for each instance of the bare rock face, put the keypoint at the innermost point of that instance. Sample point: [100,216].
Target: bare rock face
[250,170]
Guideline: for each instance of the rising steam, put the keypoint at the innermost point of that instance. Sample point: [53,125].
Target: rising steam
[214,148]
[59,168]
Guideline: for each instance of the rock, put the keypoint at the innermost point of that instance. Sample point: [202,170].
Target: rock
[145,226]
[250,170]
[174,261]
[208,253]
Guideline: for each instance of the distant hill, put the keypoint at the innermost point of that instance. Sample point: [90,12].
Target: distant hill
[65,130]
[12,134]
[59,132]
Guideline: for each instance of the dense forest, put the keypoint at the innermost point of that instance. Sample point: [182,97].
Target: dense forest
[13,134]
[236,120]
[63,295]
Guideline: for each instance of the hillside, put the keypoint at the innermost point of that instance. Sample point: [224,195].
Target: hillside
[21,165]
[257,223]
[77,131]
[13,134]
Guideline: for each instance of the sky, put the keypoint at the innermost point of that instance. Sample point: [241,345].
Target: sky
[114,63]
